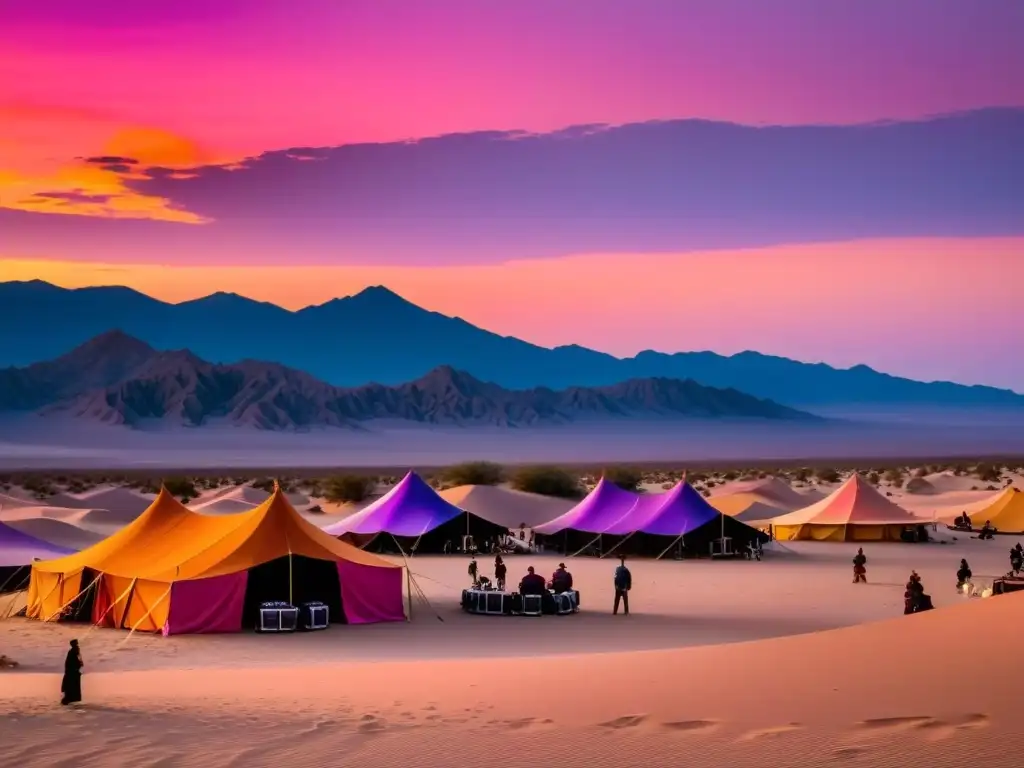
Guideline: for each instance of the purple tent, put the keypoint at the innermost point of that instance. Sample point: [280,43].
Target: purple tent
[674,513]
[17,551]
[411,508]
[413,511]
[603,507]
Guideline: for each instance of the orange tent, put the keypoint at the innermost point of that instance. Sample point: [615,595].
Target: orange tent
[1005,512]
[176,571]
[855,511]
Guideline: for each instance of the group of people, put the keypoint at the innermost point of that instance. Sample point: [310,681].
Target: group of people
[963,523]
[561,581]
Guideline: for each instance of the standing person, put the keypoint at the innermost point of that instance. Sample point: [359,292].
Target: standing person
[500,571]
[71,685]
[623,583]
[963,575]
[860,571]
[1016,561]
[473,571]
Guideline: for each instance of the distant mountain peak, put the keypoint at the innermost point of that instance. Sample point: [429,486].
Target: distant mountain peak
[115,379]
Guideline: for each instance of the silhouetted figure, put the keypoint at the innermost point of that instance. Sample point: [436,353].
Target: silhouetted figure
[561,580]
[1016,561]
[986,531]
[474,571]
[860,570]
[963,575]
[623,583]
[500,571]
[914,598]
[71,684]
[963,522]
[532,583]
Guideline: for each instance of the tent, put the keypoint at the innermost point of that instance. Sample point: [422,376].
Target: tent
[581,527]
[1005,512]
[506,506]
[413,517]
[17,551]
[855,511]
[678,521]
[178,572]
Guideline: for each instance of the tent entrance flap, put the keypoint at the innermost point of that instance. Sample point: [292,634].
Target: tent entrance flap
[81,607]
[293,579]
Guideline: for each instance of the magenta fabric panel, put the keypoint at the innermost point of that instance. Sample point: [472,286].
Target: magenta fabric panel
[206,606]
[370,594]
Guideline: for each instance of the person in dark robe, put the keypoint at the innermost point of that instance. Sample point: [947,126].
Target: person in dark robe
[71,685]
[1016,560]
[474,571]
[963,575]
[532,583]
[561,580]
[860,571]
[912,596]
[500,571]
[987,530]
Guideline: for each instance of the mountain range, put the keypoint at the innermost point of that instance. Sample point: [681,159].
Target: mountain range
[117,379]
[377,336]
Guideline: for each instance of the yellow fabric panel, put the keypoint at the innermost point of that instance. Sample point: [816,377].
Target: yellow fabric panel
[149,606]
[1006,512]
[52,593]
[812,532]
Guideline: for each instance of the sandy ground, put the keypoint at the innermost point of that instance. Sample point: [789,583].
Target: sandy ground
[768,679]
[777,663]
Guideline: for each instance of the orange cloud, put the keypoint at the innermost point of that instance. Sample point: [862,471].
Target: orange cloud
[42,169]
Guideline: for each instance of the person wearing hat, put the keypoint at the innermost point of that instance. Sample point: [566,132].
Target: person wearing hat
[71,684]
[561,580]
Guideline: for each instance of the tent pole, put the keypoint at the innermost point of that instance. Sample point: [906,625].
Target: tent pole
[408,590]
[291,594]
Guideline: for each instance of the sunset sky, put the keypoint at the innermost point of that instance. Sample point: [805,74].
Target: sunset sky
[839,181]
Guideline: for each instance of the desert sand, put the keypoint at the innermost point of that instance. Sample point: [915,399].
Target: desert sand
[780,663]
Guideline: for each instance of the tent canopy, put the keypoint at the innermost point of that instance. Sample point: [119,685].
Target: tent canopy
[18,549]
[1005,512]
[411,508]
[854,511]
[603,507]
[195,573]
[855,502]
[168,542]
[674,513]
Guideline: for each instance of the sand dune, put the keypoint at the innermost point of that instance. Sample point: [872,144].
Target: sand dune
[882,693]
[101,521]
[770,490]
[506,506]
[124,502]
[57,532]
[14,500]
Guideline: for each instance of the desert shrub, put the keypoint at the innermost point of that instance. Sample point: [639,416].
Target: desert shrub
[547,481]
[315,509]
[874,478]
[705,492]
[894,476]
[991,488]
[627,478]
[182,487]
[263,484]
[473,473]
[827,475]
[921,472]
[348,488]
[730,476]
[667,486]
[802,474]
[988,473]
